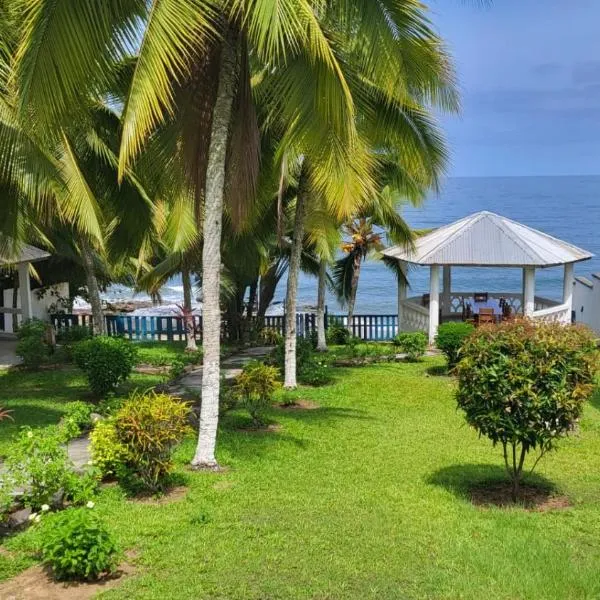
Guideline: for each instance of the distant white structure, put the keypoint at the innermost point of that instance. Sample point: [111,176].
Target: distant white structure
[483,239]
[586,301]
[27,307]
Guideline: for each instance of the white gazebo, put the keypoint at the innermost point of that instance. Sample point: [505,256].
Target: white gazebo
[22,260]
[483,239]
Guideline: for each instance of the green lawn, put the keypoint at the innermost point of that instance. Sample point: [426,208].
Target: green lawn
[364,497]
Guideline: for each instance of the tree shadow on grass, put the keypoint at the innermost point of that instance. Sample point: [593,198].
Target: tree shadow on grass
[489,485]
[327,414]
[438,371]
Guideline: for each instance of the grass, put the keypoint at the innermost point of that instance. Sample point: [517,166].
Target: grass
[365,497]
[159,354]
[39,398]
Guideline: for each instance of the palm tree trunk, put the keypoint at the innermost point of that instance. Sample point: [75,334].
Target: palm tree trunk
[292,283]
[211,255]
[321,340]
[188,315]
[99,323]
[353,290]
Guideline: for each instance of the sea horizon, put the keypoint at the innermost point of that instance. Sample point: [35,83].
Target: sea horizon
[566,210]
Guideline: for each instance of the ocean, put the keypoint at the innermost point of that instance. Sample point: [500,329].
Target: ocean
[565,207]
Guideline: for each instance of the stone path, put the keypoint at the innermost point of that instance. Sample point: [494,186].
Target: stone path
[78,449]
[231,367]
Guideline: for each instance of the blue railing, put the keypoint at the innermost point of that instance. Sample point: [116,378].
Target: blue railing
[172,328]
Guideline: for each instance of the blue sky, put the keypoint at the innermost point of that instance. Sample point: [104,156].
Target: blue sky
[529,74]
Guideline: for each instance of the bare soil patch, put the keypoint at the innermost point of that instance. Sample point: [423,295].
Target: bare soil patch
[272,428]
[36,583]
[300,405]
[175,494]
[532,498]
[146,369]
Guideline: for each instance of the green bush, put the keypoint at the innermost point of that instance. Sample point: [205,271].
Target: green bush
[73,334]
[523,385]
[33,352]
[412,344]
[337,334]
[148,426]
[37,461]
[109,405]
[270,336]
[75,544]
[77,418]
[315,372]
[6,499]
[106,362]
[304,352]
[450,338]
[32,328]
[254,388]
[106,450]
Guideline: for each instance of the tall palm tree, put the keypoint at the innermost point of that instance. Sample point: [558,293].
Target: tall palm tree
[193,67]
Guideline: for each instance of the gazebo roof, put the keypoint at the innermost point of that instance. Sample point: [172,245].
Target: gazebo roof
[487,239]
[25,254]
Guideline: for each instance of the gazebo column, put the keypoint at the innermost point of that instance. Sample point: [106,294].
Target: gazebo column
[25,291]
[446,289]
[528,291]
[434,302]
[568,288]
[402,292]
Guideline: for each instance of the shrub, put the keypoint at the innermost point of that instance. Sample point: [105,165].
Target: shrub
[315,372]
[107,452]
[523,385]
[33,352]
[80,487]
[450,338]
[412,344]
[110,405]
[77,418]
[6,498]
[76,545]
[106,362]
[254,388]
[304,352]
[38,462]
[337,334]
[227,398]
[73,334]
[149,426]
[32,328]
[270,336]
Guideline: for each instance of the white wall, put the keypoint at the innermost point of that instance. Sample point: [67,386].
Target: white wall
[586,301]
[40,303]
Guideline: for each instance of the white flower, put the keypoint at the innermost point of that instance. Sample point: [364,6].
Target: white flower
[90,504]
[38,518]
[30,434]
[32,516]
[45,508]
[90,462]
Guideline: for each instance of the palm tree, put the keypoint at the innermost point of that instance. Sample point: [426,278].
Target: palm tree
[193,69]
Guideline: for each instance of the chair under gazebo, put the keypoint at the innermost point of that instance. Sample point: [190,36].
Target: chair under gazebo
[483,239]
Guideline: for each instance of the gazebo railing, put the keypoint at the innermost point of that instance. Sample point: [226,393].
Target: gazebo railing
[514,300]
[414,316]
[554,314]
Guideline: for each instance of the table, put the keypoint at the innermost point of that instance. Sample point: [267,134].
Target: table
[493,303]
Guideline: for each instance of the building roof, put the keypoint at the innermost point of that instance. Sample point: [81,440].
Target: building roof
[25,254]
[487,239]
